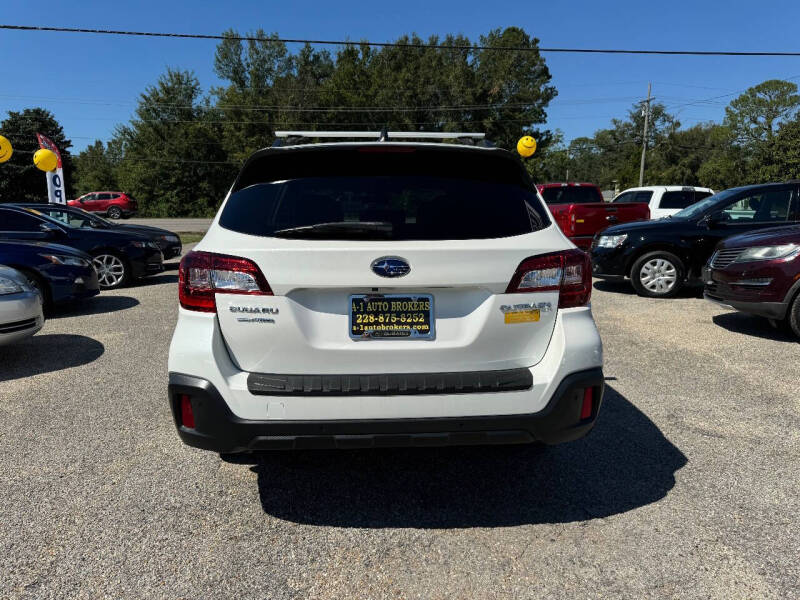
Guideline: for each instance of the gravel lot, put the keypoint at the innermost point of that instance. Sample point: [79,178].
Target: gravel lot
[688,486]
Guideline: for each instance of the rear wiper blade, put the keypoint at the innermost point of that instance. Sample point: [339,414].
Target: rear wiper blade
[372,227]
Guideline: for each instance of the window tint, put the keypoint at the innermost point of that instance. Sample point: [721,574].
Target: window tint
[384,207]
[14,221]
[88,197]
[103,196]
[766,206]
[628,197]
[680,199]
[701,196]
[571,194]
[624,198]
[67,217]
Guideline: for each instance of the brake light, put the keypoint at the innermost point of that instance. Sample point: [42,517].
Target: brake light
[203,274]
[567,272]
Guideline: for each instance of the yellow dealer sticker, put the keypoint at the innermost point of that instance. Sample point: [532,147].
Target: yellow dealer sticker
[522,316]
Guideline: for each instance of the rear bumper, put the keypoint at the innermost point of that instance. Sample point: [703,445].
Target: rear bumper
[218,429]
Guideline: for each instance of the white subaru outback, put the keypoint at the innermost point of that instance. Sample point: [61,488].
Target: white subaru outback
[383,293]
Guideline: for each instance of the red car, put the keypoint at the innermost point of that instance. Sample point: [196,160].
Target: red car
[758,273]
[114,205]
[580,211]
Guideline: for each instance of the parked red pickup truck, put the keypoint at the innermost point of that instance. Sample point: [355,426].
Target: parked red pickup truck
[580,211]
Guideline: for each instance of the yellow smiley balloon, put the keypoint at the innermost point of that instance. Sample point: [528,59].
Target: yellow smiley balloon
[5,149]
[46,160]
[526,146]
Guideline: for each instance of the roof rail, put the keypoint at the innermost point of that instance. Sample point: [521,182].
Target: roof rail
[381,136]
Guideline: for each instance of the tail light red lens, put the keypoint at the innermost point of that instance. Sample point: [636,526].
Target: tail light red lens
[187,416]
[568,272]
[586,407]
[203,274]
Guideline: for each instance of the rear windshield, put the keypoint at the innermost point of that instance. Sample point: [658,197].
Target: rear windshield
[571,194]
[384,196]
[680,199]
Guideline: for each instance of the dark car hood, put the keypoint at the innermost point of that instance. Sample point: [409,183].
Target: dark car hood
[111,235]
[16,246]
[143,229]
[646,226]
[773,236]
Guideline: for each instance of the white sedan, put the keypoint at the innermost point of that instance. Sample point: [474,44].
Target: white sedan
[20,307]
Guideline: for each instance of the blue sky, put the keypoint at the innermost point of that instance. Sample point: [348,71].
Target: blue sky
[91,82]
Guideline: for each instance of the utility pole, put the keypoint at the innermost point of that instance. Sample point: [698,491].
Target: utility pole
[644,139]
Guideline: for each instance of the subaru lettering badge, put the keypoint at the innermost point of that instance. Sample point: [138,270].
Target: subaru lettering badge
[390,266]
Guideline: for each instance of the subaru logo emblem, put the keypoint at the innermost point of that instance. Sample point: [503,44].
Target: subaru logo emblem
[390,266]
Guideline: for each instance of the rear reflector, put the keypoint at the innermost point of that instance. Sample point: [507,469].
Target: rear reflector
[586,408]
[203,274]
[187,416]
[567,272]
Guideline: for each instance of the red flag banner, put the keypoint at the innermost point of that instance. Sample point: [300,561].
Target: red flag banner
[48,144]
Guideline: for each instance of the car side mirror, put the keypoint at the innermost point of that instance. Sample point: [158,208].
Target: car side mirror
[50,231]
[710,220]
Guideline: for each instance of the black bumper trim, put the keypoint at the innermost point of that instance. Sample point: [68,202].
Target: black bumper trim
[218,429]
[768,310]
[392,384]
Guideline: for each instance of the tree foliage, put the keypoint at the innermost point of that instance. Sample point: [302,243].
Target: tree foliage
[20,180]
[180,151]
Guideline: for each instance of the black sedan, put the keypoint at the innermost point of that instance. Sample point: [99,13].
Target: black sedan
[119,256]
[169,242]
[661,256]
[60,273]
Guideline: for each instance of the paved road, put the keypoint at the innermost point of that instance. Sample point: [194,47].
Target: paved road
[688,487]
[177,225]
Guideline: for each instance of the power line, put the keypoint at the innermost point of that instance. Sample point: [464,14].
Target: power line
[460,47]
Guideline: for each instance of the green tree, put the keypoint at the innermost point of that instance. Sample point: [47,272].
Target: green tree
[420,87]
[785,155]
[754,116]
[20,180]
[516,86]
[95,169]
[172,159]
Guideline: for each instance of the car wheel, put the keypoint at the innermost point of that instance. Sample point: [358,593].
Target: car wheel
[114,212]
[658,275]
[112,271]
[793,317]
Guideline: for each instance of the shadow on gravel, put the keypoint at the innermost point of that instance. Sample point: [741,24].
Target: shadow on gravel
[45,353]
[623,464]
[93,306]
[155,280]
[625,287]
[751,325]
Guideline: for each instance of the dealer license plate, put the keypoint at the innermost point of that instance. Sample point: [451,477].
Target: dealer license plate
[391,316]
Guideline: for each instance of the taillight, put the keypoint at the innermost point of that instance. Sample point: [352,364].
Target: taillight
[203,274]
[567,272]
